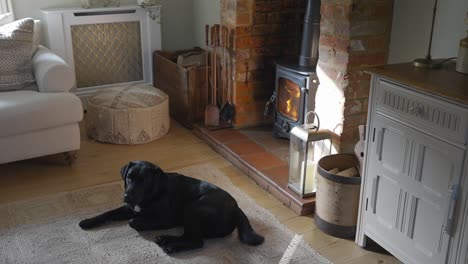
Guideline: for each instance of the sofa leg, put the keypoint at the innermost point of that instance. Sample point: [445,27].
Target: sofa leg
[71,157]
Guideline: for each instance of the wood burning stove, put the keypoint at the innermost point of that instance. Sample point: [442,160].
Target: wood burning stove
[297,83]
[295,95]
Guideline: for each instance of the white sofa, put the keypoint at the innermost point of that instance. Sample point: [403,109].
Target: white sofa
[42,122]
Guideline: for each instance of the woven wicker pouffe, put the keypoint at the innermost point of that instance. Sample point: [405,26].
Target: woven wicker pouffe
[129,114]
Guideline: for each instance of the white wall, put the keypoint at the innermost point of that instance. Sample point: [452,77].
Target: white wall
[411,29]
[177,18]
[205,12]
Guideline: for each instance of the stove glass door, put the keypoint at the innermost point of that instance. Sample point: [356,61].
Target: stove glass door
[289,98]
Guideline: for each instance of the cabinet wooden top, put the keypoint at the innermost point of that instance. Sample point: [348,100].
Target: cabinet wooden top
[445,82]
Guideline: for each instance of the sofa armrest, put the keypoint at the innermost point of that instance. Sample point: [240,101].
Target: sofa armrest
[52,73]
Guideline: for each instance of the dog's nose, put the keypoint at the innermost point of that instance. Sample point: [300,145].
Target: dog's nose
[127,197]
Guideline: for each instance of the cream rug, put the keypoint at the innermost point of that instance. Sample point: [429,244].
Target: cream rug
[45,230]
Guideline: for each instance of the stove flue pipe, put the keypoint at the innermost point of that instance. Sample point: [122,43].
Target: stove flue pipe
[310,35]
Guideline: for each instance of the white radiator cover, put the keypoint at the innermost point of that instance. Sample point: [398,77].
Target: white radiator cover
[59,24]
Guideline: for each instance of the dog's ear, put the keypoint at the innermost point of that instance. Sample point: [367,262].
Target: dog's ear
[124,170]
[158,171]
[158,181]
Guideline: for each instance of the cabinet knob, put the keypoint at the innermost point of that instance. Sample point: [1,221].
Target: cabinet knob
[416,110]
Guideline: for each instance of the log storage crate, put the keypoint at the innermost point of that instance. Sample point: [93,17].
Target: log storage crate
[186,87]
[337,197]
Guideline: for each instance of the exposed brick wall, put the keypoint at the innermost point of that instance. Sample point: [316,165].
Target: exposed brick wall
[354,35]
[228,13]
[265,30]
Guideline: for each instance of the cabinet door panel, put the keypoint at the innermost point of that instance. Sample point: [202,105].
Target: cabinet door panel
[392,157]
[388,169]
[409,181]
[427,232]
[436,167]
[389,154]
[386,201]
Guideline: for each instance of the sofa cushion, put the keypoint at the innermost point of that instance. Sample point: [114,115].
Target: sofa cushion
[8,18]
[16,50]
[27,111]
[52,73]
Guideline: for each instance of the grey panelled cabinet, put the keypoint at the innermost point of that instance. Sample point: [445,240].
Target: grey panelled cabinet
[413,197]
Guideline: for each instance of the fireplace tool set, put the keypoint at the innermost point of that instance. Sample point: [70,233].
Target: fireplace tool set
[219,111]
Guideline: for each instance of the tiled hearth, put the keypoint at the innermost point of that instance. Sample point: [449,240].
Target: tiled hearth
[353,36]
[262,157]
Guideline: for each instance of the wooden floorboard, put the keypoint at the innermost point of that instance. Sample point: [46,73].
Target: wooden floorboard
[100,164]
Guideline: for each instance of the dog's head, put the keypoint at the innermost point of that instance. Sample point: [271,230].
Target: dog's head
[143,180]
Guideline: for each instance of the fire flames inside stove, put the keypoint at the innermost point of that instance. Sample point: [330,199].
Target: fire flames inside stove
[289,99]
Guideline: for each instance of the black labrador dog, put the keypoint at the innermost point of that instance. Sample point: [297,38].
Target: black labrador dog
[155,200]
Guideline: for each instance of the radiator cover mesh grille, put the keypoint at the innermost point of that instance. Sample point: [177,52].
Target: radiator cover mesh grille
[107,53]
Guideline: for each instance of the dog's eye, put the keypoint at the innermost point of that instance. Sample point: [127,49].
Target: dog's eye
[134,180]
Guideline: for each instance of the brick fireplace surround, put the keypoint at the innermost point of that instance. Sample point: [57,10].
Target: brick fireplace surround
[354,34]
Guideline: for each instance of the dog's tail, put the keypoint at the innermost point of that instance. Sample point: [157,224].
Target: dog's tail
[246,234]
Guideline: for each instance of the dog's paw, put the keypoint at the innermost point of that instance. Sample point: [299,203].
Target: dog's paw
[161,240]
[138,224]
[173,244]
[87,224]
[168,249]
[164,243]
